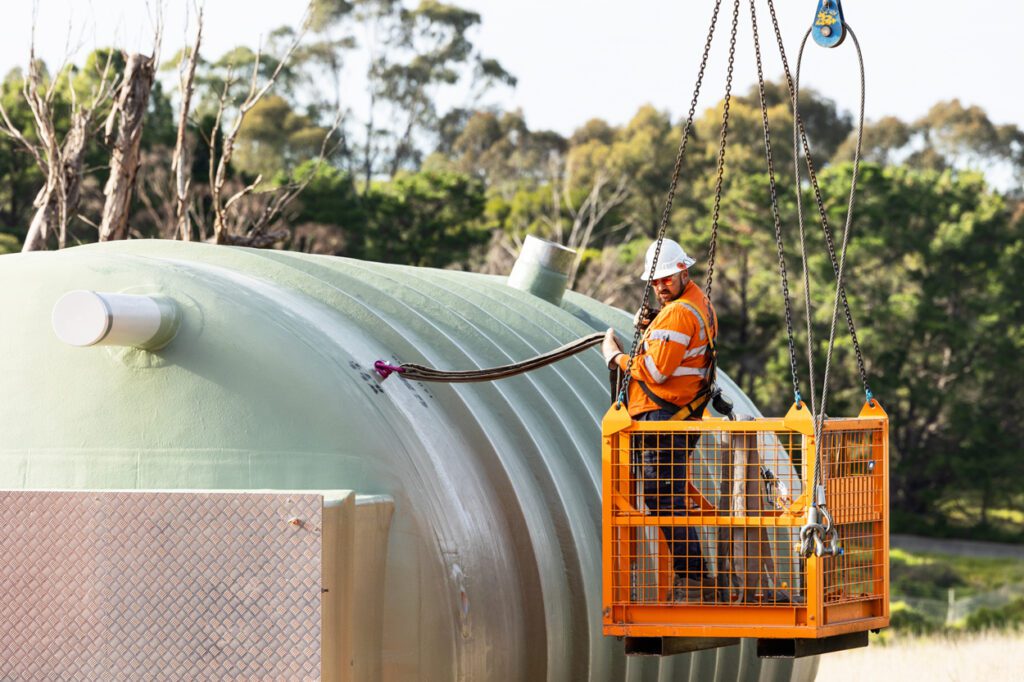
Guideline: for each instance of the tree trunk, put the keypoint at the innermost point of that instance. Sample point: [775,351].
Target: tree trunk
[180,162]
[130,110]
[73,158]
[39,229]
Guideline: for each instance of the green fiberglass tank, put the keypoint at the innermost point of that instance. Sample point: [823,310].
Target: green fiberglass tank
[493,550]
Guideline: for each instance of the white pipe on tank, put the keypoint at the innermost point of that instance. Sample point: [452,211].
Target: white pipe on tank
[90,318]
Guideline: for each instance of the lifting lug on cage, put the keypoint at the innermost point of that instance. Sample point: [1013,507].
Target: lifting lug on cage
[829,27]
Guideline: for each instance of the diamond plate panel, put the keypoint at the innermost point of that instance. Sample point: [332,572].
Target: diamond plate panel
[159,586]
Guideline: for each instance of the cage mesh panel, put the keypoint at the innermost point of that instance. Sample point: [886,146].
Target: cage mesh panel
[853,474]
[712,517]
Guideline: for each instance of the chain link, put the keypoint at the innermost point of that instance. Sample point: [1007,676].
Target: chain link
[667,212]
[713,247]
[775,207]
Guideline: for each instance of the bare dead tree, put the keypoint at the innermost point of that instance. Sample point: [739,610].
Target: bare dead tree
[592,212]
[155,190]
[61,162]
[218,175]
[590,215]
[128,113]
[610,279]
[257,229]
[180,163]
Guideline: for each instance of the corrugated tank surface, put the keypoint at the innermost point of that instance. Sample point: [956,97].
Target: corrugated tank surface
[493,569]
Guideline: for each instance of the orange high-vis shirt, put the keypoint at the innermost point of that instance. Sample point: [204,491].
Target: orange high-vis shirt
[671,358]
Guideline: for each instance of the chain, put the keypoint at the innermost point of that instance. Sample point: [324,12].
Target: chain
[798,122]
[775,207]
[713,248]
[666,213]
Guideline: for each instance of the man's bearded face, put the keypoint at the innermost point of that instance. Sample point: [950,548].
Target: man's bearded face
[669,288]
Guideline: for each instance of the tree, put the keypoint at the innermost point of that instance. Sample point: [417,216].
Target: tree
[883,142]
[827,127]
[275,138]
[950,135]
[931,263]
[129,114]
[59,160]
[429,219]
[501,150]
[414,55]
[180,161]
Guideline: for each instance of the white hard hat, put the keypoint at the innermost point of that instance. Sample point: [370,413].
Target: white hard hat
[671,260]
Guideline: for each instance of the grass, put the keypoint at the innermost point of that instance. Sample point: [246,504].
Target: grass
[986,656]
[921,585]
[937,573]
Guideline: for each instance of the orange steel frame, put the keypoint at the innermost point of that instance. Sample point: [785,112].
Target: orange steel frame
[813,617]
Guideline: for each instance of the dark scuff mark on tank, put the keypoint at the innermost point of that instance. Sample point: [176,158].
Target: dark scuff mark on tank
[366,376]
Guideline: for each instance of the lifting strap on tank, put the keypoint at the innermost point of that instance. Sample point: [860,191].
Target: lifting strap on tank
[423,373]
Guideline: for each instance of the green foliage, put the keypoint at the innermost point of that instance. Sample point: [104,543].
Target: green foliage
[909,620]
[968,574]
[950,135]
[922,585]
[1010,616]
[930,289]
[324,13]
[274,137]
[429,218]
[930,580]
[330,198]
[827,127]
[9,244]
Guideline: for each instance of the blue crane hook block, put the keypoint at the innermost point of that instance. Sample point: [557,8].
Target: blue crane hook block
[828,28]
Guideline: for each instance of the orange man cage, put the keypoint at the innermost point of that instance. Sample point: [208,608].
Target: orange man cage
[740,491]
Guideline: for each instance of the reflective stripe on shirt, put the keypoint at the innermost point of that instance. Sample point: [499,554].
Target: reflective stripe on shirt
[694,352]
[658,377]
[670,335]
[700,320]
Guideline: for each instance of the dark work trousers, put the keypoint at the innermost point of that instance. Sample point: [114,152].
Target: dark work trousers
[661,463]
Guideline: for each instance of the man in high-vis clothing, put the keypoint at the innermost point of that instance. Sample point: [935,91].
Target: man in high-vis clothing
[672,378]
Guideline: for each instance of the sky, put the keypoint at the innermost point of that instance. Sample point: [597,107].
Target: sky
[580,59]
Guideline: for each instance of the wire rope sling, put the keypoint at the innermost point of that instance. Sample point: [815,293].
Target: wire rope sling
[726,527]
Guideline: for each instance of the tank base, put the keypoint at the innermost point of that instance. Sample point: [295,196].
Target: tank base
[798,648]
[670,646]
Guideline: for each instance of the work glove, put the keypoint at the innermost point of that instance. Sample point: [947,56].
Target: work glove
[721,404]
[643,317]
[610,348]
